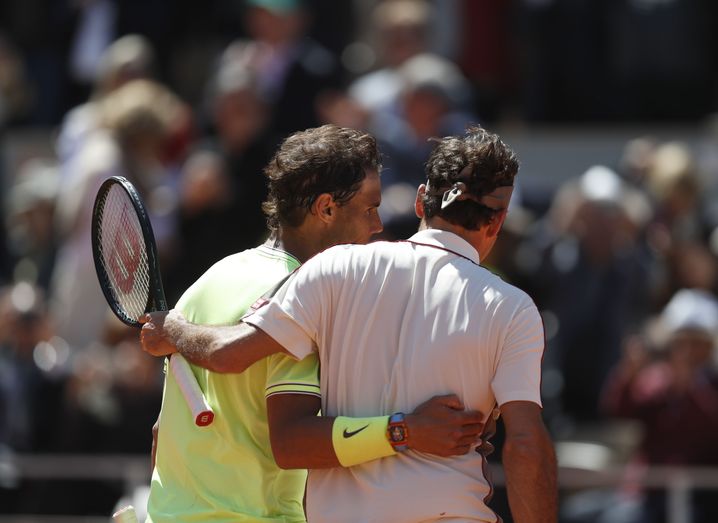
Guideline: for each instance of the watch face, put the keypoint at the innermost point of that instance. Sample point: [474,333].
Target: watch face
[396,433]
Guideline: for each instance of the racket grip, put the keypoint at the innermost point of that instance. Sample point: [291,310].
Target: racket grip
[125,515]
[201,411]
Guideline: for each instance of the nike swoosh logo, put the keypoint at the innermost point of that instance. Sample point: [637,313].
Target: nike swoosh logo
[348,434]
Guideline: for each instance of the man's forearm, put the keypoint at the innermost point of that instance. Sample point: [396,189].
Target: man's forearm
[530,466]
[300,439]
[217,348]
[226,349]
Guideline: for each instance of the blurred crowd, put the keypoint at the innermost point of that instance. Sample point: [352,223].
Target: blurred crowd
[189,100]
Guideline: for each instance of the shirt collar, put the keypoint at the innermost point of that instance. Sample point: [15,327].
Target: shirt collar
[448,241]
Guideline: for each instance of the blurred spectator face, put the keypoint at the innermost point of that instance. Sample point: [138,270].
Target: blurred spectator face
[31,206]
[432,87]
[402,27]
[204,183]
[399,43]
[128,58]
[690,349]
[672,179]
[33,227]
[179,138]
[682,198]
[275,27]
[637,158]
[424,111]
[15,94]
[694,266]
[239,117]
[603,230]
[690,322]
[603,213]
[24,318]
[342,110]
[143,115]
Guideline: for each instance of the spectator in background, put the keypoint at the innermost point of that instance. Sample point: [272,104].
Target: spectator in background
[590,280]
[112,395]
[678,231]
[30,393]
[96,21]
[128,58]
[673,392]
[41,31]
[138,122]
[30,212]
[432,103]
[291,68]
[222,182]
[673,184]
[636,160]
[15,94]
[401,28]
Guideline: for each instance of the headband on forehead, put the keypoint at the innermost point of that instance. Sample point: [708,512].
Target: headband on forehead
[497,200]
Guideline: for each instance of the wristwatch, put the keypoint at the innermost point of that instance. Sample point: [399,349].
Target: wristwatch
[397,432]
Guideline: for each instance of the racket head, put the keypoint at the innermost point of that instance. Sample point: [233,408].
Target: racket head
[124,252]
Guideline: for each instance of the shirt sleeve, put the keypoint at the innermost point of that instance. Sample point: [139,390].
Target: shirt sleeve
[293,317]
[285,375]
[518,374]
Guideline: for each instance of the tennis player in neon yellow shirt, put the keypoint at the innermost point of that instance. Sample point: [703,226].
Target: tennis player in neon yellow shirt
[226,471]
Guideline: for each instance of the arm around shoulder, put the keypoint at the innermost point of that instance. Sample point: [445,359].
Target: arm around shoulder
[217,348]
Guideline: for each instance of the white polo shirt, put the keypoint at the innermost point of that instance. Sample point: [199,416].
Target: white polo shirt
[396,323]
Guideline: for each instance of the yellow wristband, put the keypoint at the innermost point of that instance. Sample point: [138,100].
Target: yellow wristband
[358,440]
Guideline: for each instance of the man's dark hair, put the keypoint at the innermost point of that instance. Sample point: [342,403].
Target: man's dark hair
[482,162]
[327,159]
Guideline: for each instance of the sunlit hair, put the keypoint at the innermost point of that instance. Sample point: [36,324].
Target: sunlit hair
[327,159]
[491,164]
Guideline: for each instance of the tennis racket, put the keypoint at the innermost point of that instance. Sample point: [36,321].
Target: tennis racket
[125,254]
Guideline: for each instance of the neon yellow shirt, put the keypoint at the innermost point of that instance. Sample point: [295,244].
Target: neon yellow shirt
[226,471]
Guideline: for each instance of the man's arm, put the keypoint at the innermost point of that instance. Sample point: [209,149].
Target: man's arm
[220,349]
[530,464]
[301,439]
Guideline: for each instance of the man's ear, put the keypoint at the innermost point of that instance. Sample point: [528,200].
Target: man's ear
[324,207]
[419,202]
[494,226]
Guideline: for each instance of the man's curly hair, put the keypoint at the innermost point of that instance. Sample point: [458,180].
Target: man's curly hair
[327,159]
[491,163]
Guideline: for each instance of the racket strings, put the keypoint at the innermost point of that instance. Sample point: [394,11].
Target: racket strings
[123,253]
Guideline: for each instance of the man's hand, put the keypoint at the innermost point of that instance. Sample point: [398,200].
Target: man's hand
[156,336]
[442,427]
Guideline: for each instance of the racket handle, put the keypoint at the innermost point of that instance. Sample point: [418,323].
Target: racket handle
[125,515]
[201,411]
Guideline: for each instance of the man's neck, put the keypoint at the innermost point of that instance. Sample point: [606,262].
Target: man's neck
[477,238]
[296,242]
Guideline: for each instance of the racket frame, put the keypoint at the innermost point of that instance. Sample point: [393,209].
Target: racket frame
[156,300]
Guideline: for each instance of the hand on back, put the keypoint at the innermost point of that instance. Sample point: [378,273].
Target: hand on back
[442,427]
